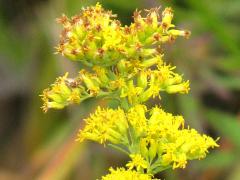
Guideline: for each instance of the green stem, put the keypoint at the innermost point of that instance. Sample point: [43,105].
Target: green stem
[118,148]
[132,142]
[86,97]
[103,94]
[124,104]
[159,169]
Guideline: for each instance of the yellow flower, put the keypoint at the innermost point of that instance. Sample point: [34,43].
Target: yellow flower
[163,79]
[131,92]
[183,145]
[176,145]
[126,63]
[136,117]
[91,36]
[126,60]
[167,17]
[61,94]
[91,81]
[95,37]
[105,125]
[181,88]
[154,134]
[123,174]
[138,162]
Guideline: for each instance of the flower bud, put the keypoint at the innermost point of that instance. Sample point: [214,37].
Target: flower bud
[154,18]
[175,80]
[167,17]
[121,66]
[152,149]
[65,90]
[55,105]
[150,62]
[175,32]
[102,74]
[142,80]
[143,147]
[179,88]
[147,94]
[91,83]
[55,97]
[148,52]
[75,96]
[114,136]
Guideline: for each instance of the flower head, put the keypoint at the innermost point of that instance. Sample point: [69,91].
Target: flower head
[156,136]
[121,173]
[95,37]
[124,60]
[62,93]
[105,125]
[138,162]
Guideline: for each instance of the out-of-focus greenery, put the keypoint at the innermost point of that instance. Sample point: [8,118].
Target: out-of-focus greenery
[42,146]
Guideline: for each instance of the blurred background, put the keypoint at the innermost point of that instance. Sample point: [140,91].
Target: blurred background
[34,145]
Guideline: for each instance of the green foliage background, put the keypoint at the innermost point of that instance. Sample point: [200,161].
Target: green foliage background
[34,145]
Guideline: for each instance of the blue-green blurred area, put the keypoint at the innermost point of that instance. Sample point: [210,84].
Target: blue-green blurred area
[34,145]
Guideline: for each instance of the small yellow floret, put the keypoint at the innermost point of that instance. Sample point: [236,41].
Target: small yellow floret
[105,125]
[138,162]
[122,174]
[60,94]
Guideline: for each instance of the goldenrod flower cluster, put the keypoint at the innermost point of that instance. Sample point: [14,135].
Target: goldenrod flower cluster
[121,173]
[95,37]
[126,63]
[62,93]
[106,125]
[154,139]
